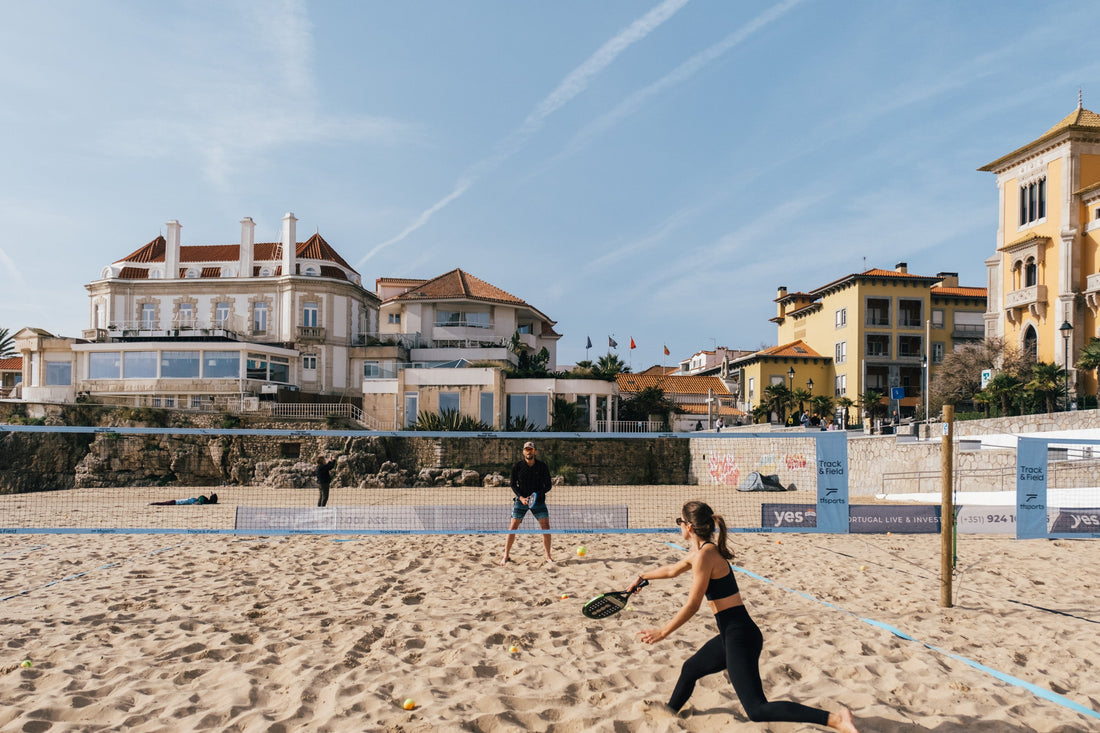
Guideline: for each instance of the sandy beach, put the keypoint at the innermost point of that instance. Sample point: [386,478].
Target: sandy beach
[201,632]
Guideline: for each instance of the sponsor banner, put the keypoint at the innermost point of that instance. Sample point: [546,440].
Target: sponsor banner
[985,520]
[832,482]
[1031,488]
[423,518]
[910,519]
[776,516]
[1076,521]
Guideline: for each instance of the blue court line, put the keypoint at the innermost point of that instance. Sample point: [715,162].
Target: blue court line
[24,551]
[1002,676]
[81,575]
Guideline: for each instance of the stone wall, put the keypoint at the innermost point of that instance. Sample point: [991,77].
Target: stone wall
[729,461]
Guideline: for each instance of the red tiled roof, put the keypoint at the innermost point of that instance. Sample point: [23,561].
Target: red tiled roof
[795,348]
[630,383]
[458,284]
[12,363]
[133,273]
[960,292]
[659,370]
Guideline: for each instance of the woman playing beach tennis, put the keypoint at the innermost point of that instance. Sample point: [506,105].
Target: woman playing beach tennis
[737,647]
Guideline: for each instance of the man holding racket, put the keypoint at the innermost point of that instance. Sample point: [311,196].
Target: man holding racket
[530,482]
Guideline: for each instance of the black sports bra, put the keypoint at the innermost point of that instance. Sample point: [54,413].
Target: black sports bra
[724,587]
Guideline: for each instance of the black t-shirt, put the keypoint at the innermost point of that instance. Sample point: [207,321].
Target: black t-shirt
[528,479]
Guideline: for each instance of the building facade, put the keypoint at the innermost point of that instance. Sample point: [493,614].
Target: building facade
[1044,278]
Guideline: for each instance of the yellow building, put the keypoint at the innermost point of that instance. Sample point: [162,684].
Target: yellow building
[871,330]
[1044,279]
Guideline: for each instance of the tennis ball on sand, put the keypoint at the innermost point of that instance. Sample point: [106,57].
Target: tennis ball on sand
[862,567]
[513,649]
[564,596]
[26,663]
[409,704]
[582,551]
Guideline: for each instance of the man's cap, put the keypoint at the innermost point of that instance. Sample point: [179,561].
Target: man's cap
[528,444]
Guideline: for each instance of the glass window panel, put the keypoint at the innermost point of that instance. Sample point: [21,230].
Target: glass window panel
[259,317]
[538,409]
[486,408]
[221,315]
[280,369]
[59,373]
[448,401]
[179,364]
[139,365]
[104,365]
[256,367]
[221,365]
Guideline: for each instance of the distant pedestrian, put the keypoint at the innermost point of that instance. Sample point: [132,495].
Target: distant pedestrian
[719,424]
[324,478]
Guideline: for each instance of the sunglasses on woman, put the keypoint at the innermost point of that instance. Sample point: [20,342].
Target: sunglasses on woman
[680,522]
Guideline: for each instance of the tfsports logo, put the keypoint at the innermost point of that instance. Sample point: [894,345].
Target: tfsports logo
[1030,497]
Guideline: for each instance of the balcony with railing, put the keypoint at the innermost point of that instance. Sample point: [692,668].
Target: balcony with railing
[1032,298]
[311,333]
[231,327]
[968,332]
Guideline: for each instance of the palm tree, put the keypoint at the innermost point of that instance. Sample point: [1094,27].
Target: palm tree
[778,398]
[1090,359]
[1005,388]
[761,413]
[7,344]
[1047,382]
[847,403]
[822,405]
[870,404]
[609,365]
[985,399]
[801,396]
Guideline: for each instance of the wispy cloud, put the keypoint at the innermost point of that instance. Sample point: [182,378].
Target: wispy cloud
[576,82]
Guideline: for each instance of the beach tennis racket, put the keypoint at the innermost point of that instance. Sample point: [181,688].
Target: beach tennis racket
[609,604]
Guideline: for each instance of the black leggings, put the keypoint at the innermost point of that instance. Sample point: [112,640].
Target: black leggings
[736,649]
[322,500]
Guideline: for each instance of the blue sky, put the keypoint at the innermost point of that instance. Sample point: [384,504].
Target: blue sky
[645,169]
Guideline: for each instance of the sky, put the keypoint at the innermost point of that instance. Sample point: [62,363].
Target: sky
[647,170]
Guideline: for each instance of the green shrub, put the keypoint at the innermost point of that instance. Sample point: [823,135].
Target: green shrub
[448,421]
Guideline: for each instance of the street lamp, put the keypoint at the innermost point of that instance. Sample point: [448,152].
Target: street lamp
[810,384]
[790,376]
[1066,330]
[924,367]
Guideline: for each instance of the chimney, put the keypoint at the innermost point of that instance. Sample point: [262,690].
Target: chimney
[172,251]
[290,243]
[948,279]
[902,267]
[248,240]
[779,297]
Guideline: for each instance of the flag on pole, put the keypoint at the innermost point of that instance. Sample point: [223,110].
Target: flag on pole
[611,343]
[588,345]
[632,344]
[666,351]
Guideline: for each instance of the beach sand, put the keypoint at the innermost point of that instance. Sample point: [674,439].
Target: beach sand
[322,633]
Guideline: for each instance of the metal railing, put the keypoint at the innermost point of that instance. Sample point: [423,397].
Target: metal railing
[464,323]
[319,410]
[630,426]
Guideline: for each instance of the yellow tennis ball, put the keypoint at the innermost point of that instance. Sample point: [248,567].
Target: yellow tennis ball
[26,663]
[409,704]
[582,551]
[862,567]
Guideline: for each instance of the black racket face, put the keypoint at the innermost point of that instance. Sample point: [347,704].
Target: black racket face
[603,606]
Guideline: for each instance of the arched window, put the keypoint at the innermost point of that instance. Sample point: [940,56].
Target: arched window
[1031,273]
[1031,343]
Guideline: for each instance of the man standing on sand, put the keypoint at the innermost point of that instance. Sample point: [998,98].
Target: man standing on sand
[530,482]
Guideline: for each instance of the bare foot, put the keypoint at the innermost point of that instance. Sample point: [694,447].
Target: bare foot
[842,721]
[550,561]
[504,561]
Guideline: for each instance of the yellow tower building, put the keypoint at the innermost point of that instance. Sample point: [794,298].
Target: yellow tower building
[1044,279]
[875,331]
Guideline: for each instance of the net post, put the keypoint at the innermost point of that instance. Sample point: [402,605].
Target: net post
[947,511]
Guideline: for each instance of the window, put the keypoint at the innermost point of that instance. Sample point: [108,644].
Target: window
[411,401]
[841,387]
[280,369]
[185,316]
[909,346]
[448,402]
[256,367]
[395,318]
[525,328]
[878,311]
[104,365]
[878,345]
[841,355]
[259,317]
[221,314]
[584,411]
[59,373]
[148,315]
[876,378]
[309,315]
[937,318]
[533,408]
[1031,273]
[1033,202]
[752,388]
[139,365]
[485,403]
[937,352]
[196,401]
[371,370]
[309,362]
[841,317]
[478,320]
[179,364]
[221,365]
[910,313]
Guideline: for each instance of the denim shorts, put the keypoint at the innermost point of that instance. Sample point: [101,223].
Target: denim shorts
[519,509]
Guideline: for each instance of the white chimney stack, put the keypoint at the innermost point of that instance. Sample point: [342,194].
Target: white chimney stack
[248,239]
[290,243]
[172,251]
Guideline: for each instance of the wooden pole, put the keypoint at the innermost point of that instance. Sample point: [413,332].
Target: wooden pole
[947,513]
